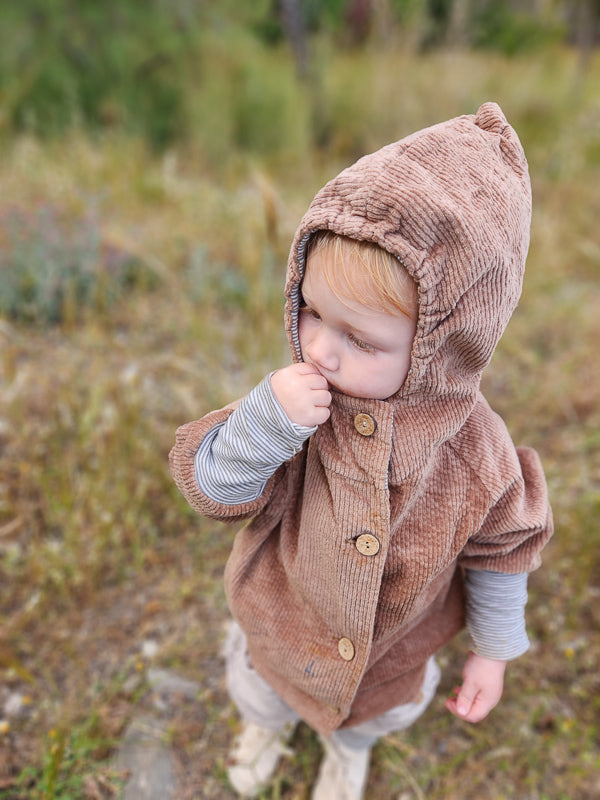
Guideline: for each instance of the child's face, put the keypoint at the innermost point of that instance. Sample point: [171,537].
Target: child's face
[361,351]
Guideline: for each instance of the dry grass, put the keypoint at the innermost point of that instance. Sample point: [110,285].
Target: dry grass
[99,554]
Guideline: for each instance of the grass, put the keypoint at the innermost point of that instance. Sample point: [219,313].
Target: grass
[99,553]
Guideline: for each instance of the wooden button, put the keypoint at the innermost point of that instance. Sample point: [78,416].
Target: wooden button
[365,424]
[346,649]
[367,544]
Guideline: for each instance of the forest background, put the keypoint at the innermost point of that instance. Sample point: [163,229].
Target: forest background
[155,160]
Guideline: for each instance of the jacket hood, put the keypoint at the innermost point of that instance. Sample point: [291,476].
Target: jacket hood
[453,203]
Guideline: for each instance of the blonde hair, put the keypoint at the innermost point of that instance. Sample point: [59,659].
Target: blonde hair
[366,273]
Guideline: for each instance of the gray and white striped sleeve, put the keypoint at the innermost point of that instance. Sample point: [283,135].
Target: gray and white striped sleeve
[496,613]
[237,458]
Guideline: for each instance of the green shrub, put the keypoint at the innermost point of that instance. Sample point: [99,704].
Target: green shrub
[177,71]
[95,64]
[495,26]
[52,267]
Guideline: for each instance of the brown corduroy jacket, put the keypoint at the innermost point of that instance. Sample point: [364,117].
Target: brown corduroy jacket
[349,574]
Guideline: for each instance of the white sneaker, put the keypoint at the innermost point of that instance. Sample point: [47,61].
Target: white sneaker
[343,772]
[254,757]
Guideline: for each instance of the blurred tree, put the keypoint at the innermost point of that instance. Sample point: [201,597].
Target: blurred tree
[458,23]
[358,19]
[586,26]
[140,66]
[294,25]
[97,64]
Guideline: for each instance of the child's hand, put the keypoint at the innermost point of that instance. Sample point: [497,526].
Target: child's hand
[483,680]
[303,393]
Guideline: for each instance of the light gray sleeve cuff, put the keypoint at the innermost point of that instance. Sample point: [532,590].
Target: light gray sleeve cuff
[237,458]
[496,613]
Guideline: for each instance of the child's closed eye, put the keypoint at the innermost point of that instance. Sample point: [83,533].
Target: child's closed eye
[308,310]
[360,344]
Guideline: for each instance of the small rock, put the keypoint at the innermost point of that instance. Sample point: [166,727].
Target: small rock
[168,683]
[148,761]
[167,688]
[132,683]
[13,704]
[149,648]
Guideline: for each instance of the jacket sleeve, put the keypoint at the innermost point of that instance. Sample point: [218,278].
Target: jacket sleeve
[517,525]
[182,462]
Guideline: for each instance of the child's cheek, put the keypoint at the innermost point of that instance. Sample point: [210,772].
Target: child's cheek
[304,329]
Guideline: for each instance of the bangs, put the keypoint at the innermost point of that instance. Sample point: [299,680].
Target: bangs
[365,273]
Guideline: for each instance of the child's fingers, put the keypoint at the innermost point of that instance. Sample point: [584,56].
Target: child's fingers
[321,397]
[465,699]
[304,368]
[450,703]
[303,393]
[317,383]
[468,707]
[461,705]
[321,414]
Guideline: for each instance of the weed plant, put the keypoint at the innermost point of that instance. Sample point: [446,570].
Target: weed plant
[52,266]
[99,553]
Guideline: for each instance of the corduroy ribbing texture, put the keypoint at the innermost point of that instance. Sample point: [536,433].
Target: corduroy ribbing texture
[439,484]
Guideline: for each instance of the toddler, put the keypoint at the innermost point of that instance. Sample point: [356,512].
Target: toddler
[387,504]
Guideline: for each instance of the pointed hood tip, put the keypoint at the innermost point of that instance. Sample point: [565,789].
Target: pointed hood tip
[490,117]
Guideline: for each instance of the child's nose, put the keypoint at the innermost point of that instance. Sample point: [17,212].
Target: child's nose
[321,350]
